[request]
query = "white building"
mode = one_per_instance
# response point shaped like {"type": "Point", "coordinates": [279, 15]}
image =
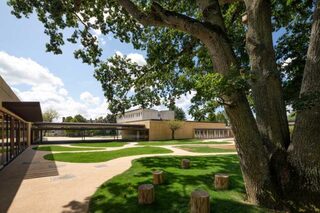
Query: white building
{"type": "Point", "coordinates": [145, 114]}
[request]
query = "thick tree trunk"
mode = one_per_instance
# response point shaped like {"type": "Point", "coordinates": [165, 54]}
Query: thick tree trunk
{"type": "Point", "coordinates": [304, 152]}
{"type": "Point", "coordinates": [266, 86]}
{"type": "Point", "coordinates": [253, 157]}
{"type": "Point", "coordinates": [172, 134]}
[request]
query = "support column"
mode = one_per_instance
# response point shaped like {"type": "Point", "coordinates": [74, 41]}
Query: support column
{"type": "Point", "coordinates": [12, 137]}
{"type": "Point", "coordinates": [30, 137]}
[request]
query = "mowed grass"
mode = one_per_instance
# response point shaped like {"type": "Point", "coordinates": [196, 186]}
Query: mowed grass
{"type": "Point", "coordinates": [94, 157]}
{"type": "Point", "coordinates": [205, 149]}
{"type": "Point", "coordinates": [119, 194]}
{"type": "Point", "coordinates": [102, 144]}
{"type": "Point", "coordinates": [62, 148]}
{"type": "Point", "coordinates": [179, 142]}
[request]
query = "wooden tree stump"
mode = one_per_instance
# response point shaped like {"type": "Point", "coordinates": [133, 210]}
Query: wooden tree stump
{"type": "Point", "coordinates": [221, 181]}
{"type": "Point", "coordinates": [185, 164]}
{"type": "Point", "coordinates": [146, 194]}
{"type": "Point", "coordinates": [200, 202]}
{"type": "Point", "coordinates": [158, 177]}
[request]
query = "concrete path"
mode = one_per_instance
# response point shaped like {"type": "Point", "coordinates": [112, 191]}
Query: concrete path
{"type": "Point", "coordinates": [33, 184]}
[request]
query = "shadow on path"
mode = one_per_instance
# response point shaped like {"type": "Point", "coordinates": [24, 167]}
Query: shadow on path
{"type": "Point", "coordinates": [77, 206]}
{"type": "Point", "coordinates": [30, 164]}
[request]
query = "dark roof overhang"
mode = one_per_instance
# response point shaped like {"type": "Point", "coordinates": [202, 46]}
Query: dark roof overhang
{"type": "Point", "coordinates": [29, 111]}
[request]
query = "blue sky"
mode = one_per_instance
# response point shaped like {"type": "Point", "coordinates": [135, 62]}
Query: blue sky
{"type": "Point", "coordinates": [59, 82]}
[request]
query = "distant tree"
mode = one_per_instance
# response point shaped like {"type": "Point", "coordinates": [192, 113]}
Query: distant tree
{"type": "Point", "coordinates": [76, 119]}
{"type": "Point", "coordinates": [179, 114]}
{"type": "Point", "coordinates": [49, 115]}
{"type": "Point", "coordinates": [68, 119]}
{"type": "Point", "coordinates": [174, 125]}
{"type": "Point", "coordinates": [79, 118]}
{"type": "Point", "coordinates": [111, 118]}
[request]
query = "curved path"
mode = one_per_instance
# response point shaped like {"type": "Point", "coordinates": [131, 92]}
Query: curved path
{"type": "Point", "coordinates": [33, 184]}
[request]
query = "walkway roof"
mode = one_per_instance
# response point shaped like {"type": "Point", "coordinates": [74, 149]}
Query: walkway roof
{"type": "Point", "coordinates": [85, 126]}
{"type": "Point", "coordinates": [29, 111]}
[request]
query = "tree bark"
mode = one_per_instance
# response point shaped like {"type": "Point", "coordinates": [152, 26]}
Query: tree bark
{"type": "Point", "coordinates": [158, 177]}
{"type": "Point", "coordinates": [253, 157]}
{"type": "Point", "coordinates": [185, 164]}
{"type": "Point", "coordinates": [266, 86]}
{"type": "Point", "coordinates": [221, 181]}
{"type": "Point", "coordinates": [146, 194]}
{"type": "Point", "coordinates": [172, 134]}
{"type": "Point", "coordinates": [200, 202]}
{"type": "Point", "coordinates": [304, 152]}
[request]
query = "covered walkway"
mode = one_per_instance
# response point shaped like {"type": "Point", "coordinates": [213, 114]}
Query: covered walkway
{"type": "Point", "coordinates": [139, 132]}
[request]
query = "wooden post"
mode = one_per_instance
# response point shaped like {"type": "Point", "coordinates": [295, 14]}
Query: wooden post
{"type": "Point", "coordinates": [146, 194]}
{"type": "Point", "coordinates": [185, 164]}
{"type": "Point", "coordinates": [221, 181]}
{"type": "Point", "coordinates": [200, 202]}
{"type": "Point", "coordinates": [158, 177]}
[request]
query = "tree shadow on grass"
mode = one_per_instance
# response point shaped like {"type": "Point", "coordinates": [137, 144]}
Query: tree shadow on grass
{"type": "Point", "coordinates": [120, 193]}
{"type": "Point", "coordinates": [167, 200]}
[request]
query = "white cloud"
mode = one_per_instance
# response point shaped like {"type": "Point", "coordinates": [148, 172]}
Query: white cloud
{"type": "Point", "coordinates": [25, 71]}
{"type": "Point", "coordinates": [138, 58]}
{"type": "Point", "coordinates": [47, 88]}
{"type": "Point", "coordinates": [135, 57]}
{"type": "Point", "coordinates": [89, 99]}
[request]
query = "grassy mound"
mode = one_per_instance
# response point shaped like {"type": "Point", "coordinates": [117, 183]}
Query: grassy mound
{"type": "Point", "coordinates": [94, 157]}
{"type": "Point", "coordinates": [205, 149]}
{"type": "Point", "coordinates": [179, 142]}
{"type": "Point", "coordinates": [61, 148]}
{"type": "Point", "coordinates": [120, 193]}
{"type": "Point", "coordinates": [102, 144]}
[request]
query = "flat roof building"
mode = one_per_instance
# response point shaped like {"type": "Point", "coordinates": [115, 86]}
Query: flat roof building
{"type": "Point", "coordinates": [157, 123]}
{"type": "Point", "coordinates": [145, 114]}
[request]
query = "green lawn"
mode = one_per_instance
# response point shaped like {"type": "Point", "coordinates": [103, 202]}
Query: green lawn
{"type": "Point", "coordinates": [120, 193]}
{"type": "Point", "coordinates": [62, 148]}
{"type": "Point", "coordinates": [105, 144]}
{"type": "Point", "coordinates": [93, 157]}
{"type": "Point", "coordinates": [178, 142]}
{"type": "Point", "coordinates": [205, 149]}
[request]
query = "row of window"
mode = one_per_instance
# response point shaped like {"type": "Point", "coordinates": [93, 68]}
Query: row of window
{"type": "Point", "coordinates": [212, 133]}
{"type": "Point", "coordinates": [131, 115]}
{"type": "Point", "coordinates": [13, 137]}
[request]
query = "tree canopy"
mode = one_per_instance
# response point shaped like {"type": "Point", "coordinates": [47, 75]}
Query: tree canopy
{"type": "Point", "coordinates": [177, 63]}
{"type": "Point", "coordinates": [179, 114]}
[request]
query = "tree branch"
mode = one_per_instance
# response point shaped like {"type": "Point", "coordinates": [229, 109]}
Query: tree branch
{"type": "Point", "coordinates": [158, 16]}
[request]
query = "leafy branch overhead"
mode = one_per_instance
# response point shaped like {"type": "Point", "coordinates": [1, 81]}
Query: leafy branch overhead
{"type": "Point", "coordinates": [176, 55]}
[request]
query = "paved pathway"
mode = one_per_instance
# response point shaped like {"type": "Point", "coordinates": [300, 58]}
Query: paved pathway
{"type": "Point", "coordinates": [33, 184]}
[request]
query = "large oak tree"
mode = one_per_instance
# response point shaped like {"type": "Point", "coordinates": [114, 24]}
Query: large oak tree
{"type": "Point", "coordinates": [202, 47]}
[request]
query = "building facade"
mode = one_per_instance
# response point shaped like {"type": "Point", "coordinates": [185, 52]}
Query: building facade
{"type": "Point", "coordinates": [15, 134]}
{"type": "Point", "coordinates": [159, 130]}
{"type": "Point", "coordinates": [145, 114]}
